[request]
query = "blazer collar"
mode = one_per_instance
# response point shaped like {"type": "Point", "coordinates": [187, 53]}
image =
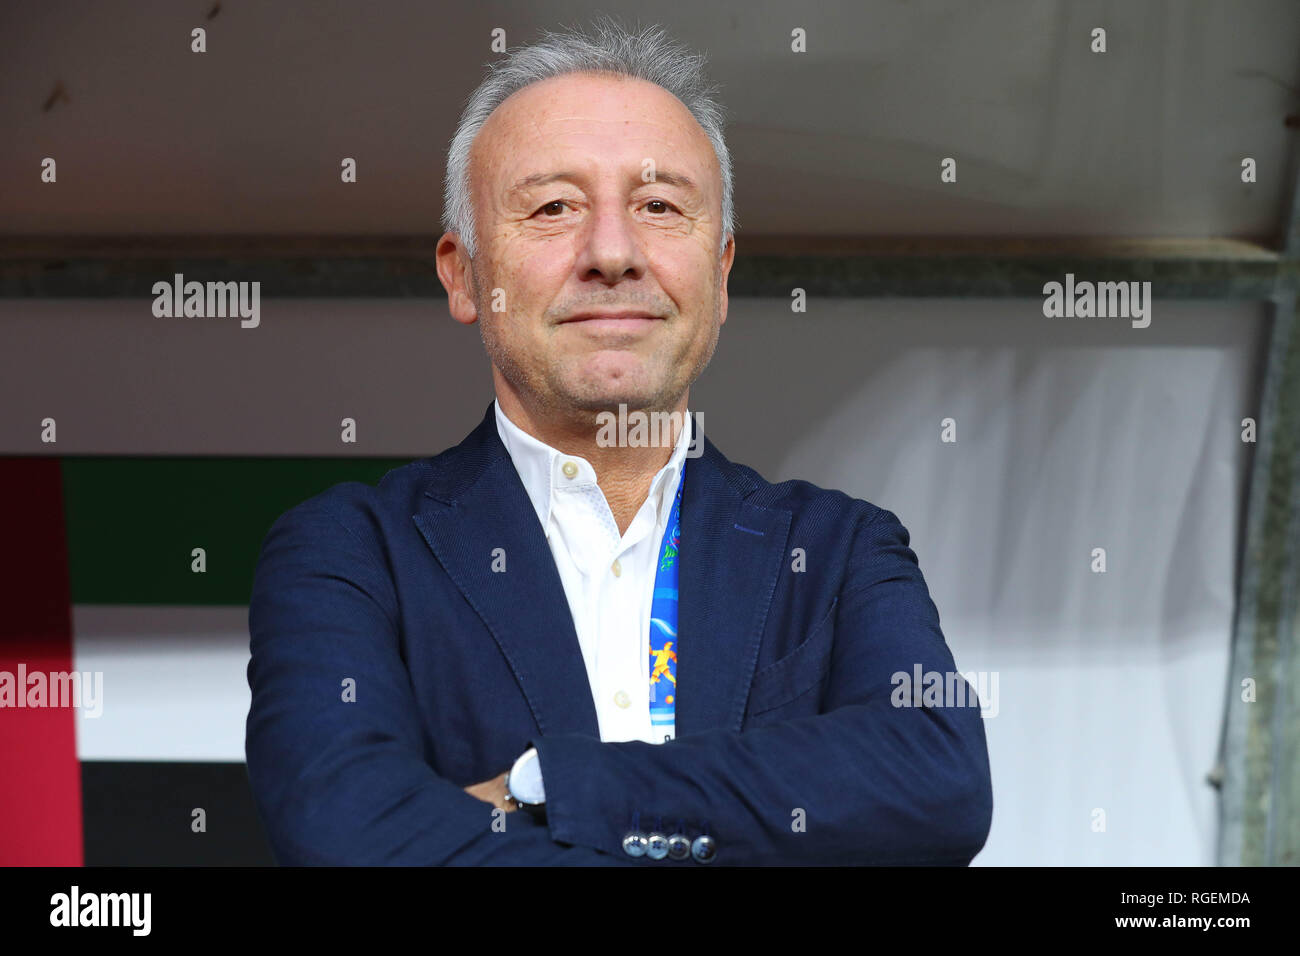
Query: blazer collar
{"type": "Point", "coordinates": [480, 524]}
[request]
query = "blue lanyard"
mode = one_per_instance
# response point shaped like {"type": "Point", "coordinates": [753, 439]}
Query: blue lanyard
{"type": "Point", "coordinates": [663, 625]}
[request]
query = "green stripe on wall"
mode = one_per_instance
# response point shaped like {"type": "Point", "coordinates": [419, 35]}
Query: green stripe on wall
{"type": "Point", "coordinates": [133, 522]}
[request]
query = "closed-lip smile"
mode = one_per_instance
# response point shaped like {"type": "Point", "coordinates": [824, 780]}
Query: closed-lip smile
{"type": "Point", "coordinates": [610, 316]}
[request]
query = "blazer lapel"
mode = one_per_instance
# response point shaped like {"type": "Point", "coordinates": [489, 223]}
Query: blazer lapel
{"type": "Point", "coordinates": [731, 555]}
{"type": "Point", "coordinates": [475, 505]}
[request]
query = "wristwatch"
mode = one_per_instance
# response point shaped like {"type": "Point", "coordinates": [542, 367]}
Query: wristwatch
{"type": "Point", "coordinates": [524, 785]}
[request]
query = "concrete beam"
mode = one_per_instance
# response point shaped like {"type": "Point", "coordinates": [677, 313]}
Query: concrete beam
{"type": "Point", "coordinates": [402, 266]}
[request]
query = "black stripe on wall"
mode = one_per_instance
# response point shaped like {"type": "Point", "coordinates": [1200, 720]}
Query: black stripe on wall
{"type": "Point", "coordinates": [140, 813]}
{"type": "Point", "coordinates": [134, 521]}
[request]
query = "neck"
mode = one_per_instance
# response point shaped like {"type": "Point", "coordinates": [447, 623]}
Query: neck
{"type": "Point", "coordinates": [624, 474]}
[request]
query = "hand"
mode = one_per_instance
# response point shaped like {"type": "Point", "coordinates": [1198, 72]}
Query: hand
{"type": "Point", "coordinates": [494, 792]}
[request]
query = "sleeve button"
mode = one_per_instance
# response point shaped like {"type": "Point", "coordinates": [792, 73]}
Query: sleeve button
{"type": "Point", "coordinates": [635, 843]}
{"type": "Point", "coordinates": [704, 849]}
{"type": "Point", "coordinates": [656, 846]}
{"type": "Point", "coordinates": [679, 846]}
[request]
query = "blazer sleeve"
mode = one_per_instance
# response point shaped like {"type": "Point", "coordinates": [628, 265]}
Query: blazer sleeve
{"type": "Point", "coordinates": [342, 782]}
{"type": "Point", "coordinates": [878, 784]}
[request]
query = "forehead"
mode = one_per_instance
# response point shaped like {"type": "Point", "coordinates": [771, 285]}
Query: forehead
{"type": "Point", "coordinates": [594, 117]}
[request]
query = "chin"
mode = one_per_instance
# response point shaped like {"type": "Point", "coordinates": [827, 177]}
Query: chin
{"type": "Point", "coordinates": [610, 401]}
{"type": "Point", "coordinates": [601, 392]}
{"type": "Point", "coordinates": [601, 396]}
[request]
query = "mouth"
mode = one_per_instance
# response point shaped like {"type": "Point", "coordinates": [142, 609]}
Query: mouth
{"type": "Point", "coordinates": [612, 321]}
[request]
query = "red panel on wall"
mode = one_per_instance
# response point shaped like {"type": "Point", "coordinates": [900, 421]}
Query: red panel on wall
{"type": "Point", "coordinates": [40, 790]}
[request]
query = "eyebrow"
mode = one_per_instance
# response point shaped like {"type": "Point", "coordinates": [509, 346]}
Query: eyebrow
{"type": "Point", "coordinates": [667, 176]}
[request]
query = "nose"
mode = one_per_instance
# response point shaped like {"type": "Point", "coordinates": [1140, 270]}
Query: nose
{"type": "Point", "coordinates": [611, 249]}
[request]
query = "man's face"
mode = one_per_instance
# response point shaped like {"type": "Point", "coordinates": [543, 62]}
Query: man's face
{"type": "Point", "coordinates": [568, 224]}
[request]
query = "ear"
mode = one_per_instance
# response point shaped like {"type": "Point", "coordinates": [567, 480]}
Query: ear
{"type": "Point", "coordinates": [728, 257]}
{"type": "Point", "coordinates": [456, 273]}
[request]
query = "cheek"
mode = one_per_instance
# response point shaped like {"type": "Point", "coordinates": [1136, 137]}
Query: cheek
{"type": "Point", "coordinates": [536, 271]}
{"type": "Point", "coordinates": [688, 276]}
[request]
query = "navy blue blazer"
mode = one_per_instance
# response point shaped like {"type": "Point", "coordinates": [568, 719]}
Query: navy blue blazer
{"type": "Point", "coordinates": [788, 750]}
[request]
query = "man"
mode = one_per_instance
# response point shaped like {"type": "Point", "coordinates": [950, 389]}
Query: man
{"type": "Point", "coordinates": [661, 657]}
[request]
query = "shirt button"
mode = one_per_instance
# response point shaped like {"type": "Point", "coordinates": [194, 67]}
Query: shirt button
{"type": "Point", "coordinates": [616, 568]}
{"type": "Point", "coordinates": [622, 699]}
{"type": "Point", "coordinates": [570, 470]}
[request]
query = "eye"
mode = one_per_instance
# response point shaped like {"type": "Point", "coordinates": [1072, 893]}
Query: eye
{"type": "Point", "coordinates": [552, 205]}
{"type": "Point", "coordinates": [660, 202]}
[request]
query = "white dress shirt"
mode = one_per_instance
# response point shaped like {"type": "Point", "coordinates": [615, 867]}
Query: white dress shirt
{"type": "Point", "coordinates": [608, 578]}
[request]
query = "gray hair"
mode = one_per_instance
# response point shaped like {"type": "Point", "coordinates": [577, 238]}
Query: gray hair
{"type": "Point", "coordinates": [647, 55]}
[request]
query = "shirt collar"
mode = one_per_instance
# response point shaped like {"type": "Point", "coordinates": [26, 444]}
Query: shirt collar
{"type": "Point", "coordinates": [537, 464]}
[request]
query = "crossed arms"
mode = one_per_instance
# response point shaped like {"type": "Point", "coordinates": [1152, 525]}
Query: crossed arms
{"type": "Point", "coordinates": [876, 783]}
